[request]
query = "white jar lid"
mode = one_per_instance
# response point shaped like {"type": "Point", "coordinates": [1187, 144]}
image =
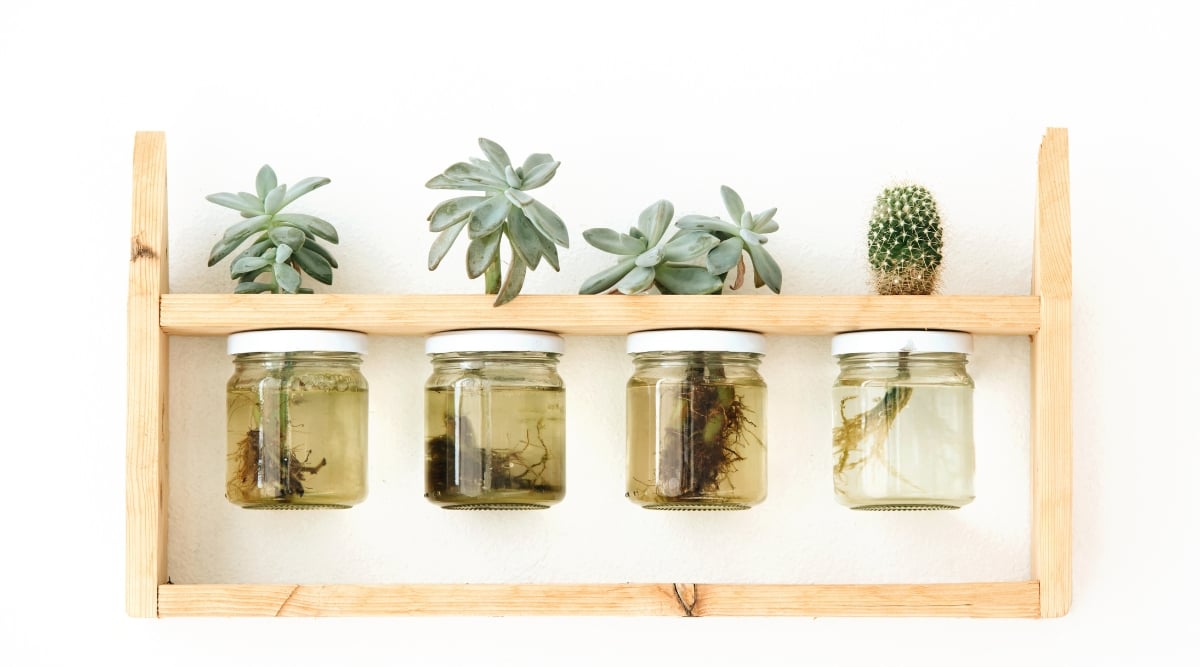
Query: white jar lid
{"type": "Point", "coordinates": [913, 341]}
{"type": "Point", "coordinates": [696, 340]}
{"type": "Point", "coordinates": [297, 340]}
{"type": "Point", "coordinates": [494, 340]}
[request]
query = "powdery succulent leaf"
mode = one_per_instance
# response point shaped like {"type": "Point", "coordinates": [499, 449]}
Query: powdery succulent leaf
{"type": "Point", "coordinates": [676, 279]}
{"type": "Point", "coordinates": [606, 279]}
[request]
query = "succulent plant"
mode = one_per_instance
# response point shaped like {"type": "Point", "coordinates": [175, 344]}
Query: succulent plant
{"type": "Point", "coordinates": [504, 211]}
{"type": "Point", "coordinates": [904, 243]}
{"type": "Point", "coordinates": [644, 263]}
{"type": "Point", "coordinates": [287, 242]}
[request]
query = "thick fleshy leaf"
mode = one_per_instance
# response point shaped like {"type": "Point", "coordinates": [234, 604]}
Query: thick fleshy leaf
{"type": "Point", "coordinates": [274, 199]}
{"type": "Point", "coordinates": [487, 166]}
{"type": "Point", "coordinates": [525, 239]}
{"type": "Point", "coordinates": [495, 153]}
{"type": "Point", "coordinates": [314, 265]}
{"type": "Point", "coordinates": [287, 278]}
{"type": "Point", "coordinates": [765, 268]}
{"type": "Point", "coordinates": [284, 235]}
{"type": "Point", "coordinates": [638, 280]}
{"type": "Point", "coordinates": [762, 219]}
{"type": "Point", "coordinates": [604, 281]}
{"type": "Point", "coordinates": [518, 198]}
{"type": "Point", "coordinates": [673, 279]}
{"type": "Point", "coordinates": [610, 240]}
{"type": "Point", "coordinates": [441, 245]}
{"type": "Point", "coordinates": [467, 173]}
{"type": "Point", "coordinates": [225, 246]}
{"type": "Point", "coordinates": [751, 238]}
{"type": "Point", "coordinates": [637, 234]}
{"type": "Point", "coordinates": [482, 252]}
{"type": "Point", "coordinates": [514, 280]}
{"type": "Point", "coordinates": [233, 201]}
{"type": "Point", "coordinates": [688, 246]}
{"type": "Point", "coordinates": [310, 224]}
{"type": "Point", "coordinates": [539, 175]}
{"type": "Point", "coordinates": [733, 203]}
{"type": "Point", "coordinates": [768, 227]}
{"type": "Point", "coordinates": [649, 259]}
{"type": "Point", "coordinates": [255, 224]}
{"type": "Point", "coordinates": [724, 257]}
{"type": "Point", "coordinates": [251, 202]}
{"type": "Point", "coordinates": [533, 161]}
{"type": "Point", "coordinates": [708, 224]}
{"type": "Point", "coordinates": [320, 250]}
{"type": "Point", "coordinates": [251, 288]}
{"type": "Point", "coordinates": [444, 182]}
{"type": "Point", "coordinates": [265, 181]}
{"type": "Point", "coordinates": [548, 223]}
{"type": "Point", "coordinates": [452, 212]}
{"type": "Point", "coordinates": [549, 251]}
{"type": "Point", "coordinates": [256, 249]}
{"type": "Point", "coordinates": [283, 252]}
{"type": "Point", "coordinates": [511, 177]}
{"type": "Point", "coordinates": [247, 264]}
{"type": "Point", "coordinates": [747, 221]}
{"type": "Point", "coordinates": [488, 216]}
{"type": "Point", "coordinates": [654, 220]}
{"type": "Point", "coordinates": [305, 186]}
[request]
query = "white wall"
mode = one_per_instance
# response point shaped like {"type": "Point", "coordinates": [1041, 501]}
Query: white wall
{"type": "Point", "coordinates": [810, 109]}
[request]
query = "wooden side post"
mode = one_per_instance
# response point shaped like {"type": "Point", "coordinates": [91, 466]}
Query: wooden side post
{"type": "Point", "coordinates": [1050, 361]}
{"type": "Point", "coordinates": [146, 426]}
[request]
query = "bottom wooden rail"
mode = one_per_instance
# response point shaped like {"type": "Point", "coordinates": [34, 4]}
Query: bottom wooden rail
{"type": "Point", "coordinates": [1018, 599]}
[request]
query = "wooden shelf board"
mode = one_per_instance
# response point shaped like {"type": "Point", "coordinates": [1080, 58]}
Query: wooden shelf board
{"type": "Point", "coordinates": [221, 314]}
{"type": "Point", "coordinates": [1019, 599]}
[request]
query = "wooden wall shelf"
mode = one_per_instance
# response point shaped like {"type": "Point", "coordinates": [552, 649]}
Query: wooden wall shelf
{"type": "Point", "coordinates": [155, 315]}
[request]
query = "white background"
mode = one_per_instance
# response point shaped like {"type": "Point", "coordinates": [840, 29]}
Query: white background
{"type": "Point", "coordinates": [810, 109]}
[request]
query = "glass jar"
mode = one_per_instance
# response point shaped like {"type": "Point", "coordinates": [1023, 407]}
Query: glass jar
{"type": "Point", "coordinates": [297, 420]}
{"type": "Point", "coordinates": [903, 434]}
{"type": "Point", "coordinates": [696, 420]}
{"type": "Point", "coordinates": [495, 427]}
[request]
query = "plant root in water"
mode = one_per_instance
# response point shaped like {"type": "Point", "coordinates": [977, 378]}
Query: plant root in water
{"type": "Point", "coordinates": [265, 472]}
{"type": "Point", "coordinates": [862, 438]}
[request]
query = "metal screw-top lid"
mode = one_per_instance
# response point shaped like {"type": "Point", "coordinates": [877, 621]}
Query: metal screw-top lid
{"type": "Point", "coordinates": [297, 340]}
{"type": "Point", "coordinates": [696, 340]}
{"type": "Point", "coordinates": [913, 341]}
{"type": "Point", "coordinates": [494, 340]}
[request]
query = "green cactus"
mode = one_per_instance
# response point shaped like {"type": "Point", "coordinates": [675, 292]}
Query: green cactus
{"type": "Point", "coordinates": [904, 243]}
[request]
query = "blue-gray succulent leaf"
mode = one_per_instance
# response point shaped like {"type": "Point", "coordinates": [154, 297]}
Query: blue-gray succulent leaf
{"type": "Point", "coordinates": [495, 154]}
{"type": "Point", "coordinates": [766, 270]}
{"type": "Point", "coordinates": [708, 224]}
{"type": "Point", "coordinates": [688, 246]}
{"type": "Point", "coordinates": [547, 222]}
{"type": "Point", "coordinates": [733, 203]}
{"type": "Point", "coordinates": [452, 212]}
{"type": "Point", "coordinates": [265, 181]}
{"type": "Point", "coordinates": [525, 239]}
{"type": "Point", "coordinates": [752, 238]}
{"type": "Point", "coordinates": [723, 258]}
{"type": "Point", "coordinates": [251, 288]}
{"type": "Point", "coordinates": [538, 175]}
{"type": "Point", "coordinates": [310, 224]}
{"type": "Point", "coordinates": [284, 235]}
{"type": "Point", "coordinates": [651, 258]}
{"type": "Point", "coordinates": [654, 220]}
{"type": "Point", "coordinates": [606, 279]}
{"type": "Point", "coordinates": [518, 197]}
{"type": "Point", "coordinates": [683, 279]}
{"type": "Point", "coordinates": [314, 265]}
{"type": "Point", "coordinates": [283, 252]}
{"type": "Point", "coordinates": [638, 280]}
{"type": "Point", "coordinates": [610, 240]}
{"type": "Point", "coordinates": [514, 280]}
{"type": "Point", "coordinates": [441, 245]}
{"type": "Point", "coordinates": [248, 264]}
{"type": "Point", "coordinates": [274, 199]}
{"type": "Point", "coordinates": [301, 188]}
{"type": "Point", "coordinates": [482, 252]}
{"type": "Point", "coordinates": [764, 219]}
{"type": "Point", "coordinates": [286, 277]}
{"type": "Point", "coordinates": [237, 203]}
{"type": "Point", "coordinates": [320, 250]}
{"type": "Point", "coordinates": [488, 216]}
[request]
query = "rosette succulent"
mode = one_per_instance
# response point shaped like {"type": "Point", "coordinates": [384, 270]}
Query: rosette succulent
{"type": "Point", "coordinates": [644, 264]}
{"type": "Point", "coordinates": [286, 244]}
{"type": "Point", "coordinates": [904, 243]}
{"type": "Point", "coordinates": [505, 210]}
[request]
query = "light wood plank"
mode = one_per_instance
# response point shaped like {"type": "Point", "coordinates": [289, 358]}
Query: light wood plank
{"type": "Point", "coordinates": [1005, 599]}
{"type": "Point", "coordinates": [1050, 363]}
{"type": "Point", "coordinates": [146, 426]}
{"type": "Point", "coordinates": [219, 314]}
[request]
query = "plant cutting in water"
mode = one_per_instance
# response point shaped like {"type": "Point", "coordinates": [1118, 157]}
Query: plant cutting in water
{"type": "Point", "coordinates": [505, 210]}
{"type": "Point", "coordinates": [286, 245]}
{"type": "Point", "coordinates": [519, 467]}
{"type": "Point", "coordinates": [904, 248]}
{"type": "Point", "coordinates": [697, 459]}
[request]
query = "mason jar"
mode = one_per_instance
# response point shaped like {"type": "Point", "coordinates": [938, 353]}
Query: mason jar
{"type": "Point", "coordinates": [297, 419]}
{"type": "Point", "coordinates": [903, 434]}
{"type": "Point", "coordinates": [495, 428]}
{"type": "Point", "coordinates": [696, 420]}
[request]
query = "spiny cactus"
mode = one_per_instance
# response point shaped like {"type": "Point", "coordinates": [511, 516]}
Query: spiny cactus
{"type": "Point", "coordinates": [904, 244]}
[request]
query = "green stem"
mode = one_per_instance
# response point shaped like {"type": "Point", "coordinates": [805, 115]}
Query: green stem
{"type": "Point", "coordinates": [491, 277]}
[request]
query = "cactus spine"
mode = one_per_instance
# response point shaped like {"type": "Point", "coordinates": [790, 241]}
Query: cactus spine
{"type": "Point", "coordinates": [904, 244]}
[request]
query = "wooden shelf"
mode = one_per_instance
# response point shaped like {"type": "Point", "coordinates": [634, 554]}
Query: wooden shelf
{"type": "Point", "coordinates": [154, 316]}
{"type": "Point", "coordinates": [214, 315]}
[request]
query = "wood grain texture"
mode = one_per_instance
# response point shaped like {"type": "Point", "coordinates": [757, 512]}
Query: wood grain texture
{"type": "Point", "coordinates": [146, 426]}
{"type": "Point", "coordinates": [1004, 599]}
{"type": "Point", "coordinates": [1050, 363]}
{"type": "Point", "coordinates": [214, 315]}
